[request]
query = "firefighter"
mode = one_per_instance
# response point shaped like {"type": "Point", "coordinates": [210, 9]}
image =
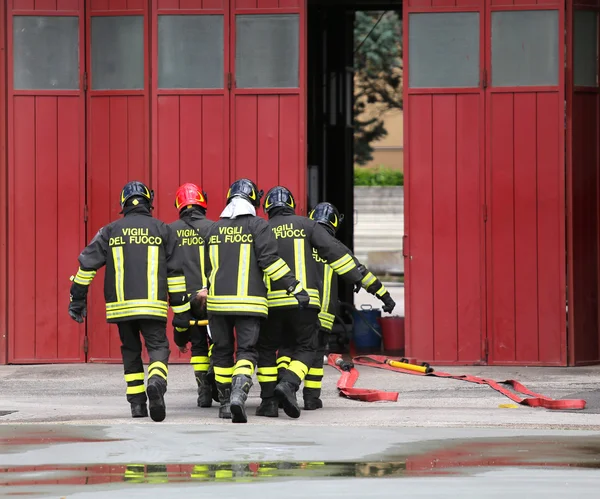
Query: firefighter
{"type": "Point", "coordinates": [329, 217]}
{"type": "Point", "coordinates": [141, 269]}
{"type": "Point", "coordinates": [191, 230]}
{"type": "Point", "coordinates": [242, 251]}
{"type": "Point", "coordinates": [295, 330]}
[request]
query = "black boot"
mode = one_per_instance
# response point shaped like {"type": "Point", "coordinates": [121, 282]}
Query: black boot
{"type": "Point", "coordinates": [312, 403]}
{"type": "Point", "coordinates": [139, 411]}
{"type": "Point", "coordinates": [240, 386]}
{"type": "Point", "coordinates": [204, 390]}
{"type": "Point", "coordinates": [286, 394]}
{"type": "Point", "coordinates": [224, 400]}
{"type": "Point", "coordinates": [211, 381]}
{"type": "Point", "coordinates": [268, 408]}
{"type": "Point", "coordinates": [156, 390]}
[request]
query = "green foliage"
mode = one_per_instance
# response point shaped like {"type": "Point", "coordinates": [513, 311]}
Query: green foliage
{"type": "Point", "coordinates": [379, 176]}
{"type": "Point", "coordinates": [378, 76]}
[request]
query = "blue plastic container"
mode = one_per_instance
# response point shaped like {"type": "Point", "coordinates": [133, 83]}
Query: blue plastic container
{"type": "Point", "coordinates": [367, 331]}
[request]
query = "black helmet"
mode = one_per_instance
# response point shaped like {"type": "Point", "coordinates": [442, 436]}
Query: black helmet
{"type": "Point", "coordinates": [246, 189]}
{"type": "Point", "coordinates": [327, 214]}
{"type": "Point", "coordinates": [136, 189]}
{"type": "Point", "coordinates": [279, 196]}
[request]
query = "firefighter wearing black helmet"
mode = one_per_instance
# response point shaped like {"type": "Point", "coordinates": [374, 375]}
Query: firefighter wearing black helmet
{"type": "Point", "coordinates": [295, 330]}
{"type": "Point", "coordinates": [141, 270]}
{"type": "Point", "coordinates": [330, 218]}
{"type": "Point", "coordinates": [242, 252]}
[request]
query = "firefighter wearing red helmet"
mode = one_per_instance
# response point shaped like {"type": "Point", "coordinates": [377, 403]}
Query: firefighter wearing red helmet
{"type": "Point", "coordinates": [141, 270]}
{"type": "Point", "coordinates": [191, 230]}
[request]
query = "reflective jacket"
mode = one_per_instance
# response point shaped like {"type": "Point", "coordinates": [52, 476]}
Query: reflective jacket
{"type": "Point", "coordinates": [141, 267]}
{"type": "Point", "coordinates": [241, 252]}
{"type": "Point", "coordinates": [191, 230]}
{"type": "Point", "coordinates": [297, 236]}
{"type": "Point", "coordinates": [329, 287]}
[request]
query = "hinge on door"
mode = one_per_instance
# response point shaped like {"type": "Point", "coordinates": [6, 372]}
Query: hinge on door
{"type": "Point", "coordinates": [85, 213]}
{"type": "Point", "coordinates": [228, 81]}
{"type": "Point", "coordinates": [484, 78]}
{"type": "Point", "coordinates": [85, 344]}
{"type": "Point", "coordinates": [485, 213]}
{"type": "Point", "coordinates": [85, 85]}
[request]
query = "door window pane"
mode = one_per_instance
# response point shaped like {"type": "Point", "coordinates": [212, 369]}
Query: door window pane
{"type": "Point", "coordinates": [524, 48]}
{"type": "Point", "coordinates": [190, 51]}
{"type": "Point", "coordinates": [585, 50]}
{"type": "Point", "coordinates": [267, 51]}
{"type": "Point", "coordinates": [46, 53]}
{"type": "Point", "coordinates": [117, 53]}
{"type": "Point", "coordinates": [444, 50]}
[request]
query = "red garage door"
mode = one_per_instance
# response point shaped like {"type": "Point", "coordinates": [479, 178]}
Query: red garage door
{"type": "Point", "coordinates": [485, 184]}
{"type": "Point", "coordinates": [117, 132]}
{"type": "Point", "coordinates": [268, 103]}
{"type": "Point", "coordinates": [46, 182]}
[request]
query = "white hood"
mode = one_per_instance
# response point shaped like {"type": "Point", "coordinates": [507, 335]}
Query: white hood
{"type": "Point", "coordinates": [238, 206]}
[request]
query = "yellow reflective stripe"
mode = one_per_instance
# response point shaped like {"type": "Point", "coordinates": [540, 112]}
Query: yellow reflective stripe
{"type": "Point", "coordinates": [267, 370]}
{"type": "Point", "coordinates": [214, 262]}
{"type": "Point", "coordinates": [312, 384]}
{"type": "Point", "coordinates": [204, 280]}
{"type": "Point", "coordinates": [316, 371]}
{"type": "Point", "coordinates": [340, 262]}
{"type": "Point", "coordinates": [178, 309]}
{"type": "Point", "coordinates": [237, 307]}
{"type": "Point", "coordinates": [326, 319]}
{"type": "Point", "coordinates": [285, 359]}
{"type": "Point", "coordinates": [179, 279]}
{"type": "Point", "coordinates": [266, 379]}
{"type": "Point", "coordinates": [257, 300]}
{"type": "Point", "coordinates": [176, 284]}
{"type": "Point", "coordinates": [158, 364]}
{"type": "Point", "coordinates": [132, 390]}
{"type": "Point", "coordinates": [224, 371]}
{"type": "Point", "coordinates": [117, 252]}
{"type": "Point", "coordinates": [346, 268]}
{"type": "Point", "coordinates": [223, 474]}
{"type": "Point", "coordinates": [300, 261]}
{"type": "Point", "coordinates": [298, 368]}
{"type": "Point", "coordinates": [280, 273]}
{"type": "Point", "coordinates": [381, 291]}
{"type": "Point", "coordinates": [153, 273]}
{"type": "Point", "coordinates": [281, 293]}
{"type": "Point", "coordinates": [118, 305]}
{"type": "Point", "coordinates": [201, 367]}
{"type": "Point", "coordinates": [84, 277]}
{"type": "Point", "coordinates": [134, 377]}
{"type": "Point", "coordinates": [368, 280]}
{"type": "Point", "coordinates": [223, 379]}
{"type": "Point", "coordinates": [274, 267]}
{"type": "Point", "coordinates": [156, 372]}
{"type": "Point", "coordinates": [243, 270]}
{"type": "Point", "coordinates": [243, 366]}
{"type": "Point", "coordinates": [132, 312]}
{"type": "Point", "coordinates": [199, 360]}
{"type": "Point", "coordinates": [327, 279]}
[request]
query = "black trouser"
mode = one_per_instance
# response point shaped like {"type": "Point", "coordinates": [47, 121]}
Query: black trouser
{"type": "Point", "coordinates": [314, 377]}
{"type": "Point", "coordinates": [292, 330]}
{"type": "Point", "coordinates": [199, 340]}
{"type": "Point", "coordinates": [157, 345]}
{"type": "Point", "coordinates": [247, 329]}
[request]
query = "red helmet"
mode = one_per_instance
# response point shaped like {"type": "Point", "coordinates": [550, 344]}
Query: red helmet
{"type": "Point", "coordinates": [190, 194]}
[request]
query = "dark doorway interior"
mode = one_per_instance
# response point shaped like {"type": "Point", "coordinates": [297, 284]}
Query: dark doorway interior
{"type": "Point", "coordinates": [330, 103]}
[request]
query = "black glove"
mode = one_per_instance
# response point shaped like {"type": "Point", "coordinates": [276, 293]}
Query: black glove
{"type": "Point", "coordinates": [77, 301]}
{"type": "Point", "coordinates": [77, 309]}
{"type": "Point", "coordinates": [300, 294]}
{"type": "Point", "coordinates": [181, 336]}
{"type": "Point", "coordinates": [182, 320]}
{"type": "Point", "coordinates": [388, 303]}
{"type": "Point", "coordinates": [357, 286]}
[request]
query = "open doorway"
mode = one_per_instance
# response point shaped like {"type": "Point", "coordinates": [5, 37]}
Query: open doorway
{"type": "Point", "coordinates": [355, 121]}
